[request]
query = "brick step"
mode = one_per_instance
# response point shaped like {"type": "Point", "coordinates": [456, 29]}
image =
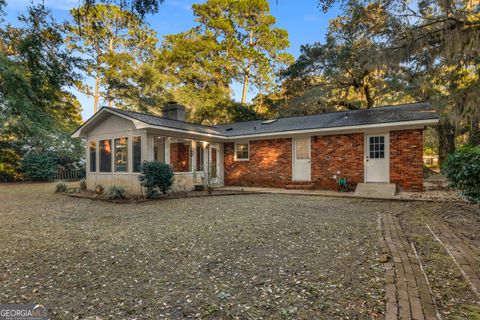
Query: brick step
{"type": "Point", "coordinates": [301, 182]}
{"type": "Point", "coordinates": [300, 185]}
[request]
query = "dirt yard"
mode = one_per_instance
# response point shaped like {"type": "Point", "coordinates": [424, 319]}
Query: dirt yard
{"type": "Point", "coordinates": [230, 257]}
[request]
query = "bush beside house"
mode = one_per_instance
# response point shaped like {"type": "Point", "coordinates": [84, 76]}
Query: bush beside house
{"type": "Point", "coordinates": [155, 177]}
{"type": "Point", "coordinates": [462, 169]}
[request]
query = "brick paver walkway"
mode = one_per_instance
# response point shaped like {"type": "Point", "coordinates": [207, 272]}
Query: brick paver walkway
{"type": "Point", "coordinates": [466, 257]}
{"type": "Point", "coordinates": [407, 292]}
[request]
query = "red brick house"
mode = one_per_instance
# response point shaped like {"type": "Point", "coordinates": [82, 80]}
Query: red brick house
{"type": "Point", "coordinates": [383, 145]}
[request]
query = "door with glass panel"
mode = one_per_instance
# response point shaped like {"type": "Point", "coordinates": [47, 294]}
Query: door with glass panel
{"type": "Point", "coordinates": [377, 158]}
{"type": "Point", "coordinates": [301, 159]}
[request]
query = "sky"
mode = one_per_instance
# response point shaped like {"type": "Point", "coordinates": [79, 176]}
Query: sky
{"type": "Point", "coordinates": [303, 20]}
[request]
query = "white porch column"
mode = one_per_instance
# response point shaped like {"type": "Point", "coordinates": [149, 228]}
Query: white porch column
{"type": "Point", "coordinates": [167, 150]}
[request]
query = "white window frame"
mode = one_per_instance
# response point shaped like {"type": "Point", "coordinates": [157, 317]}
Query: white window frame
{"type": "Point", "coordinates": [90, 156]}
{"type": "Point", "coordinates": [114, 167]}
{"type": "Point", "coordinates": [248, 148]}
{"type": "Point", "coordinates": [112, 156]}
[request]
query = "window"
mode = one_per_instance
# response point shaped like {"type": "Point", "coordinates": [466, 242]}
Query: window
{"type": "Point", "coordinates": [159, 149]}
{"type": "Point", "coordinates": [199, 150]}
{"type": "Point", "coordinates": [241, 151]}
{"type": "Point", "coordinates": [302, 149]}
{"type": "Point", "coordinates": [121, 155]}
{"type": "Point", "coordinates": [180, 155]}
{"type": "Point", "coordinates": [93, 156]}
{"type": "Point", "coordinates": [376, 147]}
{"type": "Point", "coordinates": [136, 154]}
{"type": "Point", "coordinates": [105, 155]}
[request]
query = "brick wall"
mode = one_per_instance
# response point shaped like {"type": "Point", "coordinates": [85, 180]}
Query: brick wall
{"type": "Point", "coordinates": [270, 164]}
{"type": "Point", "coordinates": [334, 153]}
{"type": "Point", "coordinates": [406, 159]}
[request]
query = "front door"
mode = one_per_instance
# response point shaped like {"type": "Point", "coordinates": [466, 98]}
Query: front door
{"type": "Point", "coordinates": [377, 158]}
{"type": "Point", "coordinates": [301, 159]}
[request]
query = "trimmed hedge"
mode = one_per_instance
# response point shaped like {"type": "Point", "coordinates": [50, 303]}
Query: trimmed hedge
{"type": "Point", "coordinates": [462, 169]}
{"type": "Point", "coordinates": [156, 177]}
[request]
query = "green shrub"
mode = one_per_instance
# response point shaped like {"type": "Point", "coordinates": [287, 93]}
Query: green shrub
{"type": "Point", "coordinates": [39, 166]}
{"type": "Point", "coordinates": [156, 177]}
{"type": "Point", "coordinates": [83, 184]}
{"type": "Point", "coordinates": [61, 186]}
{"type": "Point", "coordinates": [9, 165]}
{"type": "Point", "coordinates": [115, 192]}
{"type": "Point", "coordinates": [462, 169]}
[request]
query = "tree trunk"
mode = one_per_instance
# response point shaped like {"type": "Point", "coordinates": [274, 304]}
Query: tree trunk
{"type": "Point", "coordinates": [110, 101]}
{"type": "Point", "coordinates": [95, 96]}
{"type": "Point", "coordinates": [446, 139]}
{"type": "Point", "coordinates": [247, 73]}
{"type": "Point", "coordinates": [245, 87]}
{"type": "Point", "coordinates": [474, 133]}
{"type": "Point", "coordinates": [368, 96]}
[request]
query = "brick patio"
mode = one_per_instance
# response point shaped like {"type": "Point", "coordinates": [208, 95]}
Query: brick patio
{"type": "Point", "coordinates": [407, 292]}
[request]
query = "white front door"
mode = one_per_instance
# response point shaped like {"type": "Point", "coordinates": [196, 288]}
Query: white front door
{"type": "Point", "coordinates": [377, 158]}
{"type": "Point", "coordinates": [301, 159]}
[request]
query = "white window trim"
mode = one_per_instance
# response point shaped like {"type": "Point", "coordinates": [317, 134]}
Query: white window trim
{"type": "Point", "coordinates": [115, 153]}
{"type": "Point", "coordinates": [112, 156]}
{"type": "Point", "coordinates": [235, 151]}
{"type": "Point", "coordinates": [90, 156]}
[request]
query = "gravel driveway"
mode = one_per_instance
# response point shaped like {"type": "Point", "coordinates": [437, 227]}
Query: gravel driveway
{"type": "Point", "coordinates": [246, 257]}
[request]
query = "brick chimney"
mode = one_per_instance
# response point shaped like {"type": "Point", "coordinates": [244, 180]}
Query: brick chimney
{"type": "Point", "coordinates": [173, 110]}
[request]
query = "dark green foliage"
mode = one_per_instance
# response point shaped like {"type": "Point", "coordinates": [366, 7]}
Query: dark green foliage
{"type": "Point", "coordinates": [156, 177]}
{"type": "Point", "coordinates": [37, 109]}
{"type": "Point", "coordinates": [462, 169]}
{"type": "Point", "coordinates": [115, 193]}
{"type": "Point", "coordinates": [39, 167]}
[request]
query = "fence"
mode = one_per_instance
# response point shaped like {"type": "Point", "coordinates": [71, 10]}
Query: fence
{"type": "Point", "coordinates": [67, 175]}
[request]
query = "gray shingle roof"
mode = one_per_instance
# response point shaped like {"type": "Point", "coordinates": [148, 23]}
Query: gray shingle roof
{"type": "Point", "coordinates": [168, 123]}
{"type": "Point", "coordinates": [385, 114]}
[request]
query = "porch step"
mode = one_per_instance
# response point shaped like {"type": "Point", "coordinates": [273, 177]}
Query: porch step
{"type": "Point", "coordinates": [300, 185]}
{"type": "Point", "coordinates": [376, 190]}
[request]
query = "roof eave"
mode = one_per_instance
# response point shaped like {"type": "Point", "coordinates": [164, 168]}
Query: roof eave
{"type": "Point", "coordinates": [333, 130]}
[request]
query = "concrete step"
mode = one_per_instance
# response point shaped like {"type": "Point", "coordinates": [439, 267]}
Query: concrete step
{"type": "Point", "coordinates": [300, 185]}
{"type": "Point", "coordinates": [376, 190]}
